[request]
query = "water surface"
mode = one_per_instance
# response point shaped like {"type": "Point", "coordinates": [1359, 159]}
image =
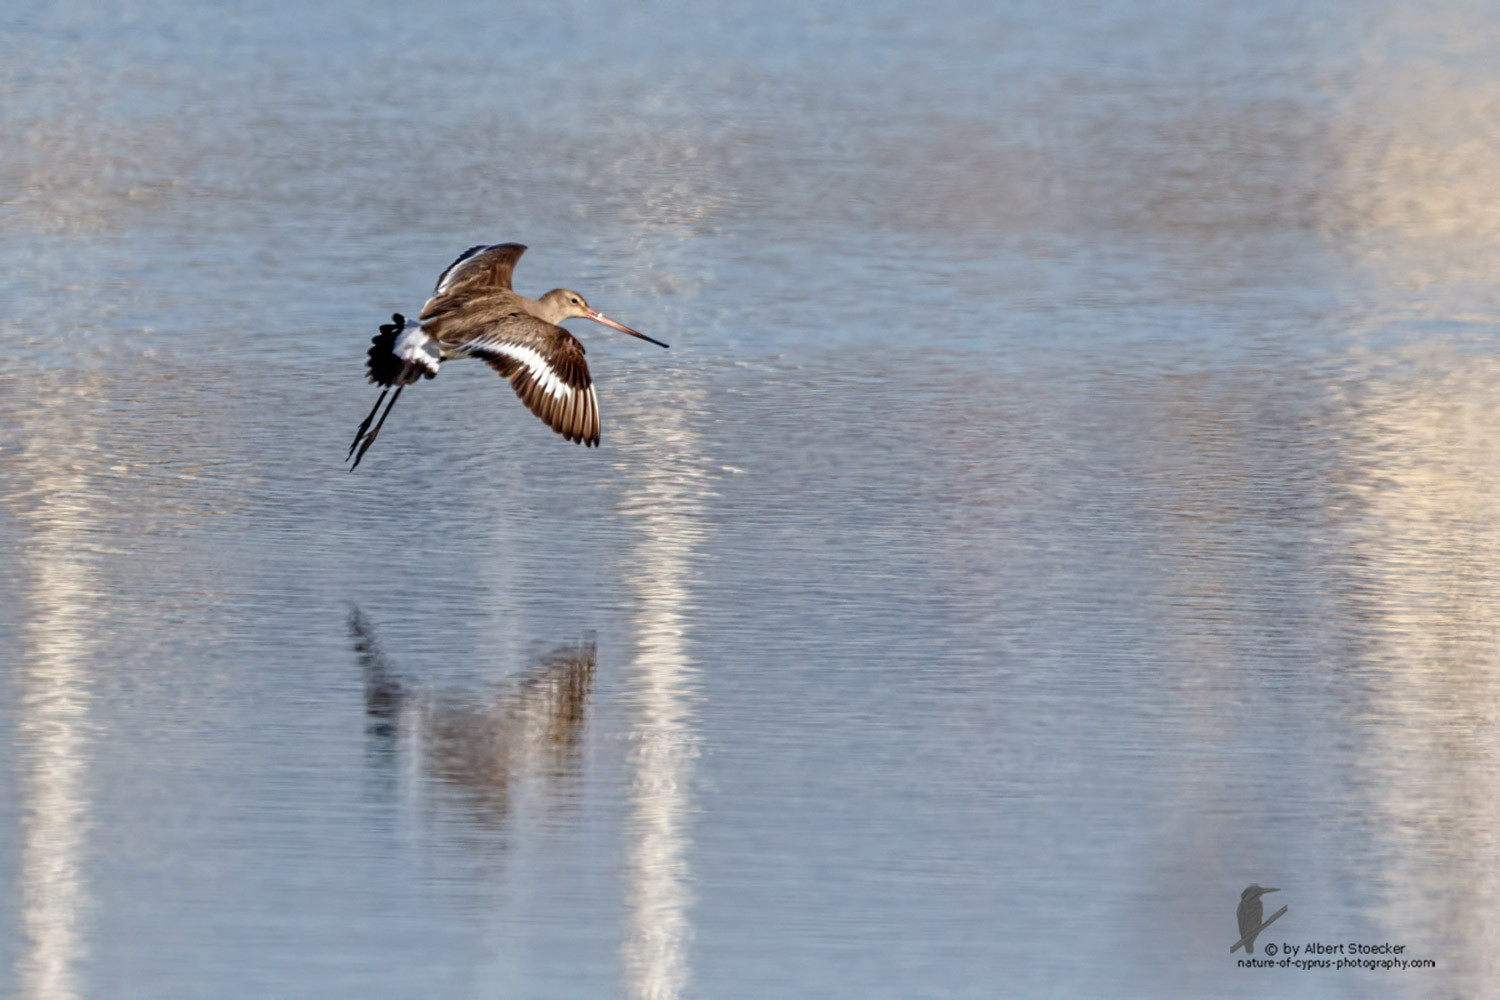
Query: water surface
{"type": "Point", "coordinates": [1069, 498]}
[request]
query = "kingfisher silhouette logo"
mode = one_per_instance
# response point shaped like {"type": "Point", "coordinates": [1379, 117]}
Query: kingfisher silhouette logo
{"type": "Point", "coordinates": [1249, 914]}
{"type": "Point", "coordinates": [1307, 955]}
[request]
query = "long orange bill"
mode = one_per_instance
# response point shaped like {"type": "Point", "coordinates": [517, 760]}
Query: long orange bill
{"type": "Point", "coordinates": [599, 317]}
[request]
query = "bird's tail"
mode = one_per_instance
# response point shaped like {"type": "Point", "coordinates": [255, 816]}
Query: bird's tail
{"type": "Point", "coordinates": [399, 355]}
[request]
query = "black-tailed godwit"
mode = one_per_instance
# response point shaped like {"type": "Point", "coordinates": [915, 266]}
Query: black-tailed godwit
{"type": "Point", "coordinates": [474, 313]}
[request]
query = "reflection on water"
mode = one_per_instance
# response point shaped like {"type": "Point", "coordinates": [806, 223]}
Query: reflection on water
{"type": "Point", "coordinates": [53, 735]}
{"type": "Point", "coordinates": [482, 743]}
{"type": "Point", "coordinates": [1411, 201]}
{"type": "Point", "coordinates": [664, 504]}
{"type": "Point", "coordinates": [1424, 558]}
{"type": "Point", "coordinates": [384, 692]}
{"type": "Point", "coordinates": [53, 683]}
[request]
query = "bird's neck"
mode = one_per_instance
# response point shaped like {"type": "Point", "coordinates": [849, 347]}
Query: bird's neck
{"type": "Point", "coordinates": [545, 309]}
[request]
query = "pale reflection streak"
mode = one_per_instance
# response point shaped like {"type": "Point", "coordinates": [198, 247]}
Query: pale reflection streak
{"type": "Point", "coordinates": [664, 504]}
{"type": "Point", "coordinates": [1424, 536]}
{"type": "Point", "coordinates": [53, 731]}
{"type": "Point", "coordinates": [1420, 221]}
{"type": "Point", "coordinates": [1418, 158]}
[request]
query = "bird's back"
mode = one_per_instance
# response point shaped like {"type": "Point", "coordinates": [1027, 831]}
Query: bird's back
{"type": "Point", "coordinates": [456, 317]}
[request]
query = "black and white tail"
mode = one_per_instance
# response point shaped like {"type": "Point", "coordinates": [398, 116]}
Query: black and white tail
{"type": "Point", "coordinates": [400, 354]}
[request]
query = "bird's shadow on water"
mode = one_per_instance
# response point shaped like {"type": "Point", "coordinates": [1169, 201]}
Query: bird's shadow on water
{"type": "Point", "coordinates": [478, 746]}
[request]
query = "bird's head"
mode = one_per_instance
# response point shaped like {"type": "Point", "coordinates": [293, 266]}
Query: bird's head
{"type": "Point", "coordinates": [1253, 891]}
{"type": "Point", "coordinates": [564, 303]}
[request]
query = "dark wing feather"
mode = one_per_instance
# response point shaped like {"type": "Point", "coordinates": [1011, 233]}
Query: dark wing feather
{"type": "Point", "coordinates": [545, 366]}
{"type": "Point", "coordinates": [481, 269]}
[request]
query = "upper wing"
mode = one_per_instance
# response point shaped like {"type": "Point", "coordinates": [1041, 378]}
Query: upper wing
{"type": "Point", "coordinates": [545, 366]}
{"type": "Point", "coordinates": [481, 268]}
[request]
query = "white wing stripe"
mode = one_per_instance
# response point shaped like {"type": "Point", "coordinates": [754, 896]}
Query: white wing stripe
{"type": "Point", "coordinates": [540, 370]}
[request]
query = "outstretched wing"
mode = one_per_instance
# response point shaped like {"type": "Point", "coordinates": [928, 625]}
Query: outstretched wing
{"type": "Point", "coordinates": [545, 365]}
{"type": "Point", "coordinates": [480, 269]}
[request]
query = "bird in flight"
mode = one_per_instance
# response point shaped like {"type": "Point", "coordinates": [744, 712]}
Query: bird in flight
{"type": "Point", "coordinates": [474, 313]}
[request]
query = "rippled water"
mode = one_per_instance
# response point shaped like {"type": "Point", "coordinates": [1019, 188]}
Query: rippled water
{"type": "Point", "coordinates": [1069, 498]}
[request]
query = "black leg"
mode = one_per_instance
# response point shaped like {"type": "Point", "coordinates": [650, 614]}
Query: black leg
{"type": "Point", "coordinates": [381, 423]}
{"type": "Point", "coordinates": [366, 425]}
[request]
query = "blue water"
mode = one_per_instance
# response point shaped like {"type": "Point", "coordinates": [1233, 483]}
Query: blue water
{"type": "Point", "coordinates": [1068, 499]}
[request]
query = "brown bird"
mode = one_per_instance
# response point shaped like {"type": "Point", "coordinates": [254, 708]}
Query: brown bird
{"type": "Point", "coordinates": [474, 313]}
